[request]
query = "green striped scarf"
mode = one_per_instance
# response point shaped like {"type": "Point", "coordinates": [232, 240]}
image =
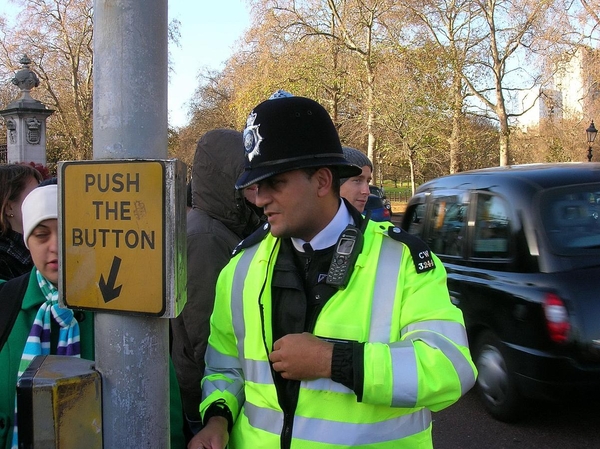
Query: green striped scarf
{"type": "Point", "coordinates": [38, 341]}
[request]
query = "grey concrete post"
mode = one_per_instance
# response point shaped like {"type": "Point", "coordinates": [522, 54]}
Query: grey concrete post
{"type": "Point", "coordinates": [25, 120]}
{"type": "Point", "coordinates": [130, 121]}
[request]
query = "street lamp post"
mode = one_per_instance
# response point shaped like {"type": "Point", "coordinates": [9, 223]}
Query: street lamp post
{"type": "Point", "coordinates": [591, 133]}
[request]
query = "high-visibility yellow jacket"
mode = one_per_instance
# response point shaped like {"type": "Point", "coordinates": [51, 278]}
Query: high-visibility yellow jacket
{"type": "Point", "coordinates": [416, 356]}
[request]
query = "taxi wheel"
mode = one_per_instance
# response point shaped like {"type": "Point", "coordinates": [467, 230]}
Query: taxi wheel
{"type": "Point", "coordinates": [495, 382]}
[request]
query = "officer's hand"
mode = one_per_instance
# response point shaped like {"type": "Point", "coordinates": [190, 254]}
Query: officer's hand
{"type": "Point", "coordinates": [213, 436]}
{"type": "Point", "coordinates": [302, 357]}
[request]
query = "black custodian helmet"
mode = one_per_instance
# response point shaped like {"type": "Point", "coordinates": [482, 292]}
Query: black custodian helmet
{"type": "Point", "coordinates": [287, 133]}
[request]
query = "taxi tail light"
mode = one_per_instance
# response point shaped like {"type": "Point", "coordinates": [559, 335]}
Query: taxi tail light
{"type": "Point", "coordinates": [557, 318]}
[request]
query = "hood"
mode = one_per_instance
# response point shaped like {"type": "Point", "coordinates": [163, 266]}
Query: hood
{"type": "Point", "coordinates": [218, 162]}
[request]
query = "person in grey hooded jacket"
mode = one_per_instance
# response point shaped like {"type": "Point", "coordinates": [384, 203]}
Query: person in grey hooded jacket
{"type": "Point", "coordinates": [219, 219]}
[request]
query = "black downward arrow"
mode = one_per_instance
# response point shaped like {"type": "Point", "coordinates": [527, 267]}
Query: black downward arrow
{"type": "Point", "coordinates": [109, 292]}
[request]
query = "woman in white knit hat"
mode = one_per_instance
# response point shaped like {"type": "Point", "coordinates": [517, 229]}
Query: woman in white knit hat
{"type": "Point", "coordinates": [43, 327]}
{"type": "Point", "coordinates": [40, 326]}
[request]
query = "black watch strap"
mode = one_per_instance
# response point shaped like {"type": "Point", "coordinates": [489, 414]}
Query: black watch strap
{"type": "Point", "coordinates": [219, 408]}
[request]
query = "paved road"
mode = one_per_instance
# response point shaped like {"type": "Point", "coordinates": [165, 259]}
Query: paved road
{"type": "Point", "coordinates": [466, 425]}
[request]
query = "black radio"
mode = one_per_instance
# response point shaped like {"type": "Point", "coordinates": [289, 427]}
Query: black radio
{"type": "Point", "coordinates": [347, 250]}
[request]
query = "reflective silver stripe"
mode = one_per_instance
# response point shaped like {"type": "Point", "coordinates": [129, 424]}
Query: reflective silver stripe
{"type": "Point", "coordinates": [325, 385]}
{"type": "Point", "coordinates": [210, 386]}
{"type": "Point", "coordinates": [258, 371]}
{"type": "Point", "coordinates": [237, 292]}
{"type": "Point", "coordinates": [384, 293]}
{"type": "Point", "coordinates": [340, 433]}
{"type": "Point", "coordinates": [405, 389]}
{"type": "Point", "coordinates": [265, 419]}
{"type": "Point", "coordinates": [216, 358]}
{"type": "Point", "coordinates": [228, 366]}
{"type": "Point", "coordinates": [458, 360]}
{"type": "Point", "coordinates": [450, 329]}
{"type": "Point", "coordinates": [231, 380]}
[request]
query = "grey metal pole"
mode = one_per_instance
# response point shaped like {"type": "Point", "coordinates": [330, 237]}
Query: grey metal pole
{"type": "Point", "coordinates": [130, 121]}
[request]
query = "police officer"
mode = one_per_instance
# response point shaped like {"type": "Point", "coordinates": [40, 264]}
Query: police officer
{"type": "Point", "coordinates": [328, 330]}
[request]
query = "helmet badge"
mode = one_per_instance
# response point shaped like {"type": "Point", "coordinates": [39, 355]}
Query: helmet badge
{"type": "Point", "coordinates": [252, 138]}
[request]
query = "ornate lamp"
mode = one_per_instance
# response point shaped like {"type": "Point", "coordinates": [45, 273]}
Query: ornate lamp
{"type": "Point", "coordinates": [591, 133]}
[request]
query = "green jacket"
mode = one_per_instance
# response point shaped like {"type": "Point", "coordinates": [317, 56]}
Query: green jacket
{"type": "Point", "coordinates": [10, 357]}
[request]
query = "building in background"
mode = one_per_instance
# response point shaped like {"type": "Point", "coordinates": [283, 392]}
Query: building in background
{"type": "Point", "coordinates": [572, 94]}
{"type": "Point", "coordinates": [547, 104]}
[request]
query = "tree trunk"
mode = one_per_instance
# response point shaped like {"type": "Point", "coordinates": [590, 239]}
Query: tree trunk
{"type": "Point", "coordinates": [504, 135]}
{"type": "Point", "coordinates": [411, 164]}
{"type": "Point", "coordinates": [454, 140]}
{"type": "Point", "coordinates": [370, 115]}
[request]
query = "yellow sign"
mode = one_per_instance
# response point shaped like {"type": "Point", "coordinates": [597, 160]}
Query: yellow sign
{"type": "Point", "coordinates": [113, 235]}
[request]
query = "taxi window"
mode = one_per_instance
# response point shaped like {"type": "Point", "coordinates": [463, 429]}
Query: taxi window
{"type": "Point", "coordinates": [571, 219]}
{"type": "Point", "coordinates": [447, 226]}
{"type": "Point", "coordinates": [492, 230]}
{"type": "Point", "coordinates": [416, 215]}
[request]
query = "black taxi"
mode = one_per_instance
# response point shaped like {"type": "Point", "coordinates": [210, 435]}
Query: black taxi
{"type": "Point", "coordinates": [521, 245]}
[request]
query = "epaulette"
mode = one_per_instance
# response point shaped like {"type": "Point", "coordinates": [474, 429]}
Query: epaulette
{"type": "Point", "coordinates": [420, 252]}
{"type": "Point", "coordinates": [252, 239]}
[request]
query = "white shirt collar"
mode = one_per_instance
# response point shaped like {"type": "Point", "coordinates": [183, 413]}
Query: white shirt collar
{"type": "Point", "coordinates": [330, 234]}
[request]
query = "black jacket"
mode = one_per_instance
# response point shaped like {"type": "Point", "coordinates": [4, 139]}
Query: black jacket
{"type": "Point", "coordinates": [15, 258]}
{"type": "Point", "coordinates": [217, 222]}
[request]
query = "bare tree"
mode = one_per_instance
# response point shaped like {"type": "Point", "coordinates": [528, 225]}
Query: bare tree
{"type": "Point", "coordinates": [340, 51]}
{"type": "Point", "coordinates": [57, 36]}
{"type": "Point", "coordinates": [589, 16]}
{"type": "Point", "coordinates": [411, 110]}
{"type": "Point", "coordinates": [210, 108]}
{"type": "Point", "coordinates": [266, 60]}
{"type": "Point", "coordinates": [502, 60]}
{"type": "Point", "coordinates": [450, 24]}
{"type": "Point", "coordinates": [356, 25]}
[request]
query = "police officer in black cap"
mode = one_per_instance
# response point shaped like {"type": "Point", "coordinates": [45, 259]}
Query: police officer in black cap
{"type": "Point", "coordinates": [328, 330]}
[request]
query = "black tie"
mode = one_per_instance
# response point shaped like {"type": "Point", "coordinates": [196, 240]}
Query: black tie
{"type": "Point", "coordinates": [308, 249]}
